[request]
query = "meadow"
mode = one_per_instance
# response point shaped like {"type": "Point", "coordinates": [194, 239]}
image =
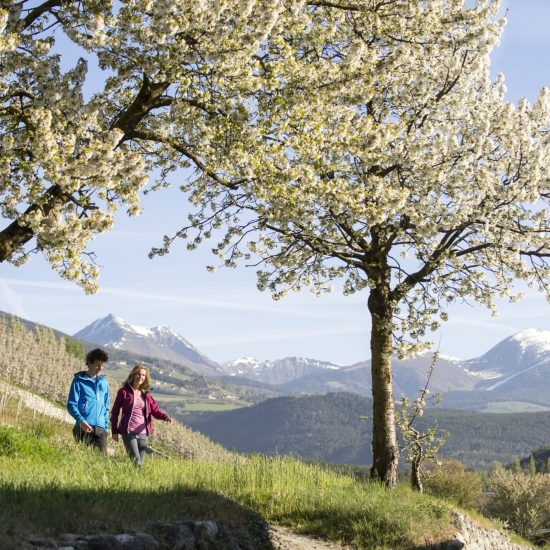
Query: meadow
{"type": "Point", "coordinates": [51, 485]}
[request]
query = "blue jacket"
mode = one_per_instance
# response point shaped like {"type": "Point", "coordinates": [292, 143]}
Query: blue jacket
{"type": "Point", "coordinates": [89, 399]}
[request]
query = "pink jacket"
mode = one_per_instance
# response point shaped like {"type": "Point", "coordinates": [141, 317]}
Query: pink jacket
{"type": "Point", "coordinates": [125, 401]}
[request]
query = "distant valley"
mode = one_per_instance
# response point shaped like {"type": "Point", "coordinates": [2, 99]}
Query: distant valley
{"type": "Point", "coordinates": [513, 376]}
{"type": "Point", "coordinates": [252, 406]}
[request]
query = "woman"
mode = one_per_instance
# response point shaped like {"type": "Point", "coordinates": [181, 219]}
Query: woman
{"type": "Point", "coordinates": [138, 407]}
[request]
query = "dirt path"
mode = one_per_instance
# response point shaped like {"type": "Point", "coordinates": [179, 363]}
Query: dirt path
{"type": "Point", "coordinates": [284, 539]}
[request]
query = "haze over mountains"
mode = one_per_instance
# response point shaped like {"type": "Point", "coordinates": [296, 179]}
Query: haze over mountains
{"type": "Point", "coordinates": [277, 372]}
{"type": "Point", "coordinates": [516, 369]}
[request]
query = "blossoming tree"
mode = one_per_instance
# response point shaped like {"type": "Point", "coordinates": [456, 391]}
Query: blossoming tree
{"type": "Point", "coordinates": [409, 176]}
{"type": "Point", "coordinates": [175, 88]}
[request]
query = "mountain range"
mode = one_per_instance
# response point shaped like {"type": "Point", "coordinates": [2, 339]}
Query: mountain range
{"type": "Point", "coordinates": [517, 370]}
{"type": "Point", "coordinates": [277, 372]}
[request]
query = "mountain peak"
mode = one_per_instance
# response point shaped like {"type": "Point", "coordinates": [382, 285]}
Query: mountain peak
{"type": "Point", "coordinates": [278, 371]}
{"type": "Point", "coordinates": [161, 342]}
{"type": "Point", "coordinates": [533, 337]}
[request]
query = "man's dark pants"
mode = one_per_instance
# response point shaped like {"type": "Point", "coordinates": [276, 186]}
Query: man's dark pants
{"type": "Point", "coordinates": [96, 438]}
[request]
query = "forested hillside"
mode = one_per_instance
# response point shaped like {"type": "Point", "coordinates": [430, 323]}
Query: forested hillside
{"type": "Point", "coordinates": [333, 428]}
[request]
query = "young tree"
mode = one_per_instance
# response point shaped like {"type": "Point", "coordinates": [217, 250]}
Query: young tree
{"type": "Point", "coordinates": [411, 178]}
{"type": "Point", "coordinates": [420, 447]}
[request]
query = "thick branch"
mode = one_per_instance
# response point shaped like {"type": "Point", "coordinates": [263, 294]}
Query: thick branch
{"type": "Point", "coordinates": [148, 98]}
{"type": "Point", "coordinates": [17, 234]}
{"type": "Point", "coordinates": [345, 7]}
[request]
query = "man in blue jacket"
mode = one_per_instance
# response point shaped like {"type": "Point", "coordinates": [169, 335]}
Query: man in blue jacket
{"type": "Point", "coordinates": [88, 402]}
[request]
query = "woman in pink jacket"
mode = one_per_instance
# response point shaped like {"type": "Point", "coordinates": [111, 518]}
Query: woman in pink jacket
{"type": "Point", "coordinates": [138, 407]}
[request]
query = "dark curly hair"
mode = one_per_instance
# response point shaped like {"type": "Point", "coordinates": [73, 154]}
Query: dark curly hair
{"type": "Point", "coordinates": [96, 355]}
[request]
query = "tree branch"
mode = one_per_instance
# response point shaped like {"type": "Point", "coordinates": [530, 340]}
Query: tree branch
{"type": "Point", "coordinates": [345, 7]}
{"type": "Point", "coordinates": [35, 13]}
{"type": "Point", "coordinates": [148, 98]}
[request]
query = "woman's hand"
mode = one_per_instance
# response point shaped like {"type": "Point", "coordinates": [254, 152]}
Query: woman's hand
{"type": "Point", "coordinates": [115, 437]}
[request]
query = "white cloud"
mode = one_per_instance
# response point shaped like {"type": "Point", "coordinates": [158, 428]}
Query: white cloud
{"type": "Point", "coordinates": [10, 300]}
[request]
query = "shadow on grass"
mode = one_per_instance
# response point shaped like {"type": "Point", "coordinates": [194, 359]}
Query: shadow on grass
{"type": "Point", "coordinates": [53, 511]}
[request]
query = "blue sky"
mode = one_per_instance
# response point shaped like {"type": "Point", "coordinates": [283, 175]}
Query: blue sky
{"type": "Point", "coordinates": [222, 313]}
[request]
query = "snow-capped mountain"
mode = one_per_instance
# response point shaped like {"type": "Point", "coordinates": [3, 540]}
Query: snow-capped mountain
{"type": "Point", "coordinates": [276, 372]}
{"type": "Point", "coordinates": [410, 376]}
{"type": "Point", "coordinates": [525, 355]}
{"type": "Point", "coordinates": [517, 369]}
{"type": "Point", "coordinates": [161, 342]}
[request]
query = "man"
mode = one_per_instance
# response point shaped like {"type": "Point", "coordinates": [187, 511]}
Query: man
{"type": "Point", "coordinates": [88, 402]}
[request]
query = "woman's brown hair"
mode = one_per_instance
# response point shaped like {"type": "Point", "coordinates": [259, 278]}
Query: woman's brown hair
{"type": "Point", "coordinates": [146, 383]}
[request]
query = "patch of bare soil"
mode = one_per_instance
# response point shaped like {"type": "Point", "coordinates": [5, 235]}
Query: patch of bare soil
{"type": "Point", "coordinates": [284, 539]}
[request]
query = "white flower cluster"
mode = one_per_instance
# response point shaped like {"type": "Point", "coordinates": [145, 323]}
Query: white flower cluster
{"type": "Point", "coordinates": [425, 184]}
{"type": "Point", "coordinates": [313, 141]}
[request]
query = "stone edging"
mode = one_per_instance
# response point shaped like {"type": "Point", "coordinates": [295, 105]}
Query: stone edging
{"type": "Point", "coordinates": [473, 537]}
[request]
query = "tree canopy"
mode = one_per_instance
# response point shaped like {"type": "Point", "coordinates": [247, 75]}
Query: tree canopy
{"type": "Point", "coordinates": [176, 88]}
{"type": "Point", "coordinates": [416, 166]}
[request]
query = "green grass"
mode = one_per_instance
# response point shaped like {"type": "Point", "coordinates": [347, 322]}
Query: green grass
{"type": "Point", "coordinates": [194, 404]}
{"type": "Point", "coordinates": [180, 376]}
{"type": "Point", "coordinates": [161, 397]}
{"type": "Point", "coordinates": [69, 488]}
{"type": "Point", "coordinates": [50, 483]}
{"type": "Point", "coordinates": [513, 407]}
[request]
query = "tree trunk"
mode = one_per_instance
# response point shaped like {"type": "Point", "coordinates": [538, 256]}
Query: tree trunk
{"type": "Point", "coordinates": [13, 237]}
{"type": "Point", "coordinates": [416, 481]}
{"type": "Point", "coordinates": [385, 450]}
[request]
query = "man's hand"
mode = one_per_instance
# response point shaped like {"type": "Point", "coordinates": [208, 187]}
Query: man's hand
{"type": "Point", "coordinates": [85, 427]}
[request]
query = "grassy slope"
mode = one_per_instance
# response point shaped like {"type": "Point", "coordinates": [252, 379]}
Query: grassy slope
{"type": "Point", "coordinates": [50, 483]}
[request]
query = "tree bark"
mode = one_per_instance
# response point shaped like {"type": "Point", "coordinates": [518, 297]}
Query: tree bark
{"type": "Point", "coordinates": [17, 234]}
{"type": "Point", "coordinates": [384, 436]}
